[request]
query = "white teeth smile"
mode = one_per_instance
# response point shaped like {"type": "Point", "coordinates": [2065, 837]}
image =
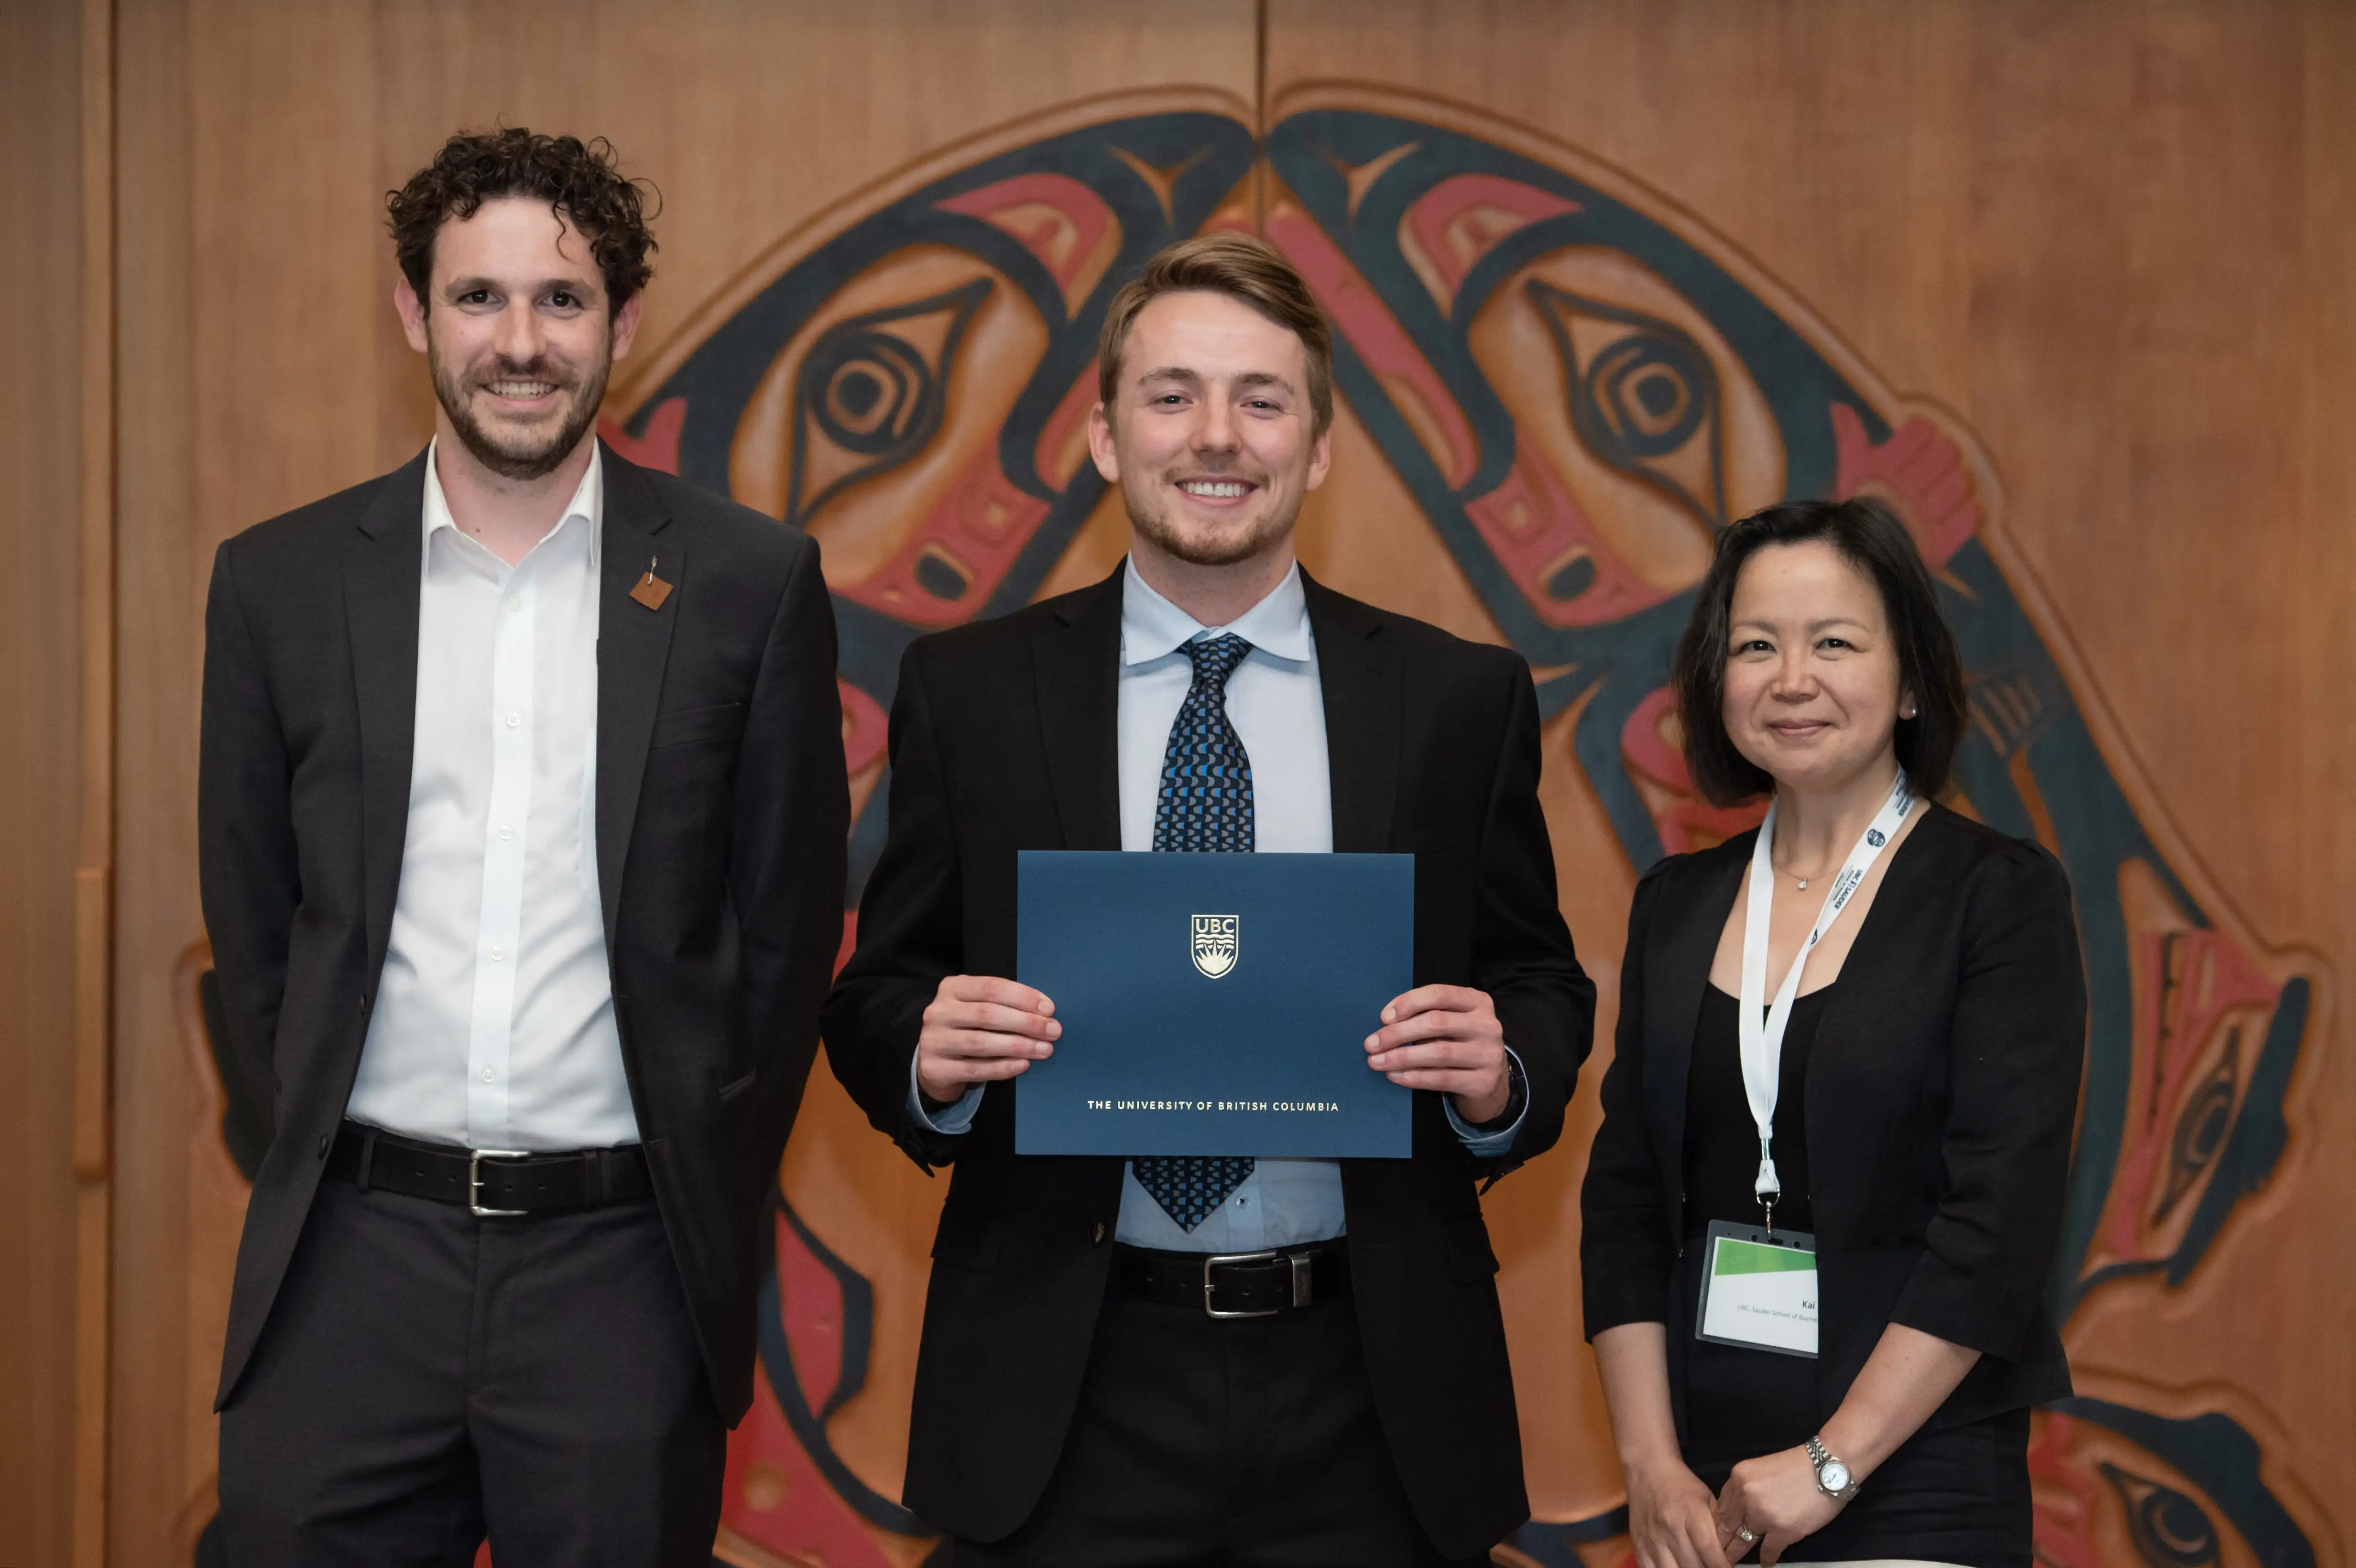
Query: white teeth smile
{"type": "Point", "coordinates": [522, 389]}
{"type": "Point", "coordinates": [1214, 490]}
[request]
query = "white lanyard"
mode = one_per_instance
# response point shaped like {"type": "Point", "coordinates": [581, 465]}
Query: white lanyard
{"type": "Point", "coordinates": [1763, 1037]}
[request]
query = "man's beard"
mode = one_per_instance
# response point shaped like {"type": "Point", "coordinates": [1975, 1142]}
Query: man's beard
{"type": "Point", "coordinates": [1222, 549]}
{"type": "Point", "coordinates": [522, 457]}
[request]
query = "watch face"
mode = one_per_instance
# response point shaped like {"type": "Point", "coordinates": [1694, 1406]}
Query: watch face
{"type": "Point", "coordinates": [1834, 1475]}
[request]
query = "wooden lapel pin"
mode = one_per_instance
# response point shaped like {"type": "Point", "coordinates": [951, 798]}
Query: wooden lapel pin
{"type": "Point", "coordinates": [650, 591]}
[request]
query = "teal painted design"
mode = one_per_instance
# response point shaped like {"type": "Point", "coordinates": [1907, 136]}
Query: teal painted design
{"type": "Point", "coordinates": [1649, 407]}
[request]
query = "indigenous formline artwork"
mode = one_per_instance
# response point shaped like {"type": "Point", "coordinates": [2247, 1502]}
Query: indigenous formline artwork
{"type": "Point", "coordinates": [1557, 385]}
{"type": "Point", "coordinates": [1575, 384]}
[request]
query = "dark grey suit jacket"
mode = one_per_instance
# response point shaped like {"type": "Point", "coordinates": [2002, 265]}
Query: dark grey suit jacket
{"type": "Point", "coordinates": [722, 815]}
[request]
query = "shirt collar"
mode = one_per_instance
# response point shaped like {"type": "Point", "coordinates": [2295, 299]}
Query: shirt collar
{"type": "Point", "coordinates": [1152, 626]}
{"type": "Point", "coordinates": [588, 501]}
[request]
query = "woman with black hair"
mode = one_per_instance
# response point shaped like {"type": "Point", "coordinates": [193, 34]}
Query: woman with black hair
{"type": "Point", "coordinates": [1821, 1207]}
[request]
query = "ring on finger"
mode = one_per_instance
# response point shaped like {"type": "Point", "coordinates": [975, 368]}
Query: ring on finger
{"type": "Point", "coordinates": [1748, 1537]}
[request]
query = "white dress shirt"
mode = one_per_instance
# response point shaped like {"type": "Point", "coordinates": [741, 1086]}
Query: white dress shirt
{"type": "Point", "coordinates": [494, 1020]}
{"type": "Point", "coordinates": [1277, 705]}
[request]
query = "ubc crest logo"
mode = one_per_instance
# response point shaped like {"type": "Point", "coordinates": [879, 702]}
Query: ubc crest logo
{"type": "Point", "coordinates": [1216, 943]}
{"type": "Point", "coordinates": [1875, 837]}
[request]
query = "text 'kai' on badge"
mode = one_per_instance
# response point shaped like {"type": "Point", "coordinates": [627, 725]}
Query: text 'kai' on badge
{"type": "Point", "coordinates": [650, 591]}
{"type": "Point", "coordinates": [1217, 941]}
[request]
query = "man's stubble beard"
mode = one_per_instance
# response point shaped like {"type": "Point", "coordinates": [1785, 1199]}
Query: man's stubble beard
{"type": "Point", "coordinates": [1268, 531]}
{"type": "Point", "coordinates": [541, 458]}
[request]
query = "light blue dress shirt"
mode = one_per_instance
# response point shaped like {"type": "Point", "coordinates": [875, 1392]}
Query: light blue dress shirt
{"type": "Point", "coordinates": [1278, 707]}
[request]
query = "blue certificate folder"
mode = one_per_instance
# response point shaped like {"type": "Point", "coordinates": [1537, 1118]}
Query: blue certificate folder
{"type": "Point", "coordinates": [1215, 1004]}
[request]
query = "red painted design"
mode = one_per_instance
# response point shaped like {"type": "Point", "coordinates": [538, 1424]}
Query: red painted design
{"type": "Point", "coordinates": [2188, 981]}
{"type": "Point", "coordinates": [1918, 470]}
{"type": "Point", "coordinates": [1055, 218]}
{"type": "Point", "coordinates": [1461, 219]}
{"type": "Point", "coordinates": [864, 727]}
{"type": "Point", "coordinates": [1377, 339]}
{"type": "Point", "coordinates": [966, 545]}
{"type": "Point", "coordinates": [1531, 520]}
{"type": "Point", "coordinates": [2065, 1497]}
{"type": "Point", "coordinates": [1054, 455]}
{"type": "Point", "coordinates": [849, 939]}
{"type": "Point", "coordinates": [774, 1495]}
{"type": "Point", "coordinates": [658, 448]}
{"type": "Point", "coordinates": [1536, 530]}
{"type": "Point", "coordinates": [1688, 823]}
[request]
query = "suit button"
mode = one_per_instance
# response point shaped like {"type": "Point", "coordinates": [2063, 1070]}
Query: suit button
{"type": "Point", "coordinates": [327, 1142]}
{"type": "Point", "coordinates": [363, 1004]}
{"type": "Point", "coordinates": [1096, 1234]}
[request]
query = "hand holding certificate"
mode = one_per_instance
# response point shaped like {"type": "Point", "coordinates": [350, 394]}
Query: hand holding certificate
{"type": "Point", "coordinates": [978, 1030]}
{"type": "Point", "coordinates": [1235, 1030]}
{"type": "Point", "coordinates": [981, 1029]}
{"type": "Point", "coordinates": [1446, 1039]}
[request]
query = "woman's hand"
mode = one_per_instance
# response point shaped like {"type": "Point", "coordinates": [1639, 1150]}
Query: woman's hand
{"type": "Point", "coordinates": [1672, 1520]}
{"type": "Point", "coordinates": [1776, 1500]}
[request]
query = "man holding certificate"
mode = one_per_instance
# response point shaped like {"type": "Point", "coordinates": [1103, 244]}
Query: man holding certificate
{"type": "Point", "coordinates": [1200, 1353]}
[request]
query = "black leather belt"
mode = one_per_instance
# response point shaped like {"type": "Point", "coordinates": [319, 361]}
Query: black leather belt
{"type": "Point", "coordinates": [489, 1182]}
{"type": "Point", "coordinates": [1237, 1285]}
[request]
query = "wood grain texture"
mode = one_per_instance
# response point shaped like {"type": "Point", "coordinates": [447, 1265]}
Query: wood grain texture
{"type": "Point", "coordinates": [94, 841]}
{"type": "Point", "coordinates": [160, 577]}
{"type": "Point", "coordinates": [40, 671]}
{"type": "Point", "coordinates": [2116, 243]}
{"type": "Point", "coordinates": [261, 368]}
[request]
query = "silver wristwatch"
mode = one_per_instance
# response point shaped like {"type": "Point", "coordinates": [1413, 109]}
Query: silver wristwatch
{"type": "Point", "coordinates": [1833, 1477]}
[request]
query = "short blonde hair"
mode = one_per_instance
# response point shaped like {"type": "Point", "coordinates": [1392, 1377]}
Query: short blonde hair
{"type": "Point", "coordinates": [1242, 266]}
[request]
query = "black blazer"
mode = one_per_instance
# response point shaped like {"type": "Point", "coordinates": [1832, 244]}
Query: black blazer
{"type": "Point", "coordinates": [722, 817]}
{"type": "Point", "coordinates": [1003, 738]}
{"type": "Point", "coordinates": [1941, 1093]}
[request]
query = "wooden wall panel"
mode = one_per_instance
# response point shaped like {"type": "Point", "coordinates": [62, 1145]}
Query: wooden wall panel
{"type": "Point", "coordinates": [161, 563]}
{"type": "Point", "coordinates": [2113, 247]}
{"type": "Point", "coordinates": [2115, 243]}
{"type": "Point", "coordinates": [40, 671]}
{"type": "Point", "coordinates": [263, 368]}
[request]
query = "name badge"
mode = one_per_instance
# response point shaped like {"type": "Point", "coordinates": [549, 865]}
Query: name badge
{"type": "Point", "coordinates": [1759, 1289]}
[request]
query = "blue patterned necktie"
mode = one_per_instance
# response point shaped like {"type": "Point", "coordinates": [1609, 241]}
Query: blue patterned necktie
{"type": "Point", "coordinates": [1205, 804]}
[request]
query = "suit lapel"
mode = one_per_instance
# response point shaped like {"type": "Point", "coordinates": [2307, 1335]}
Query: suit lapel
{"type": "Point", "coordinates": [382, 584]}
{"type": "Point", "coordinates": [1909, 881]}
{"type": "Point", "coordinates": [1359, 672]}
{"type": "Point", "coordinates": [632, 645]}
{"type": "Point", "coordinates": [1678, 975]}
{"type": "Point", "coordinates": [1077, 665]}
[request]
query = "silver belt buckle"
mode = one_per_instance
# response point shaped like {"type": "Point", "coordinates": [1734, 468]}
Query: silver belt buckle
{"type": "Point", "coordinates": [1216, 1258]}
{"type": "Point", "coordinates": [475, 1158]}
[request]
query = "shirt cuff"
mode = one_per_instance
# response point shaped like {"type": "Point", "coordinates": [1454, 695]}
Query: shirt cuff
{"type": "Point", "coordinates": [957, 1117]}
{"type": "Point", "coordinates": [1478, 1142]}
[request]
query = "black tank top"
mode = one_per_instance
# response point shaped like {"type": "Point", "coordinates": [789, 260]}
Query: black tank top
{"type": "Point", "coordinates": [1721, 1140]}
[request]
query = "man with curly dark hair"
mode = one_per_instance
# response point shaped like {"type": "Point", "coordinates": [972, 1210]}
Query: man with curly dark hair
{"type": "Point", "coordinates": [521, 819]}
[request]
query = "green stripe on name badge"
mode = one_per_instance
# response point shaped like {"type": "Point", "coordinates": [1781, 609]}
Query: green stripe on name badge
{"type": "Point", "coordinates": [1757, 1257]}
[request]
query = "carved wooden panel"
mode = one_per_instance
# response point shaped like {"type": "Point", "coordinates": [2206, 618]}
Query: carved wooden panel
{"type": "Point", "coordinates": [1558, 384]}
{"type": "Point", "coordinates": [1556, 381]}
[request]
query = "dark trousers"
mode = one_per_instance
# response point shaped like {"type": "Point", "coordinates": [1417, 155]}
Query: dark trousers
{"type": "Point", "coordinates": [1200, 1443]}
{"type": "Point", "coordinates": [428, 1378]}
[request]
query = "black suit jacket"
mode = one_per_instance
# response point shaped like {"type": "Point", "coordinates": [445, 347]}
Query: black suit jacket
{"type": "Point", "coordinates": [1003, 740]}
{"type": "Point", "coordinates": [1941, 1092]}
{"type": "Point", "coordinates": [721, 815]}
